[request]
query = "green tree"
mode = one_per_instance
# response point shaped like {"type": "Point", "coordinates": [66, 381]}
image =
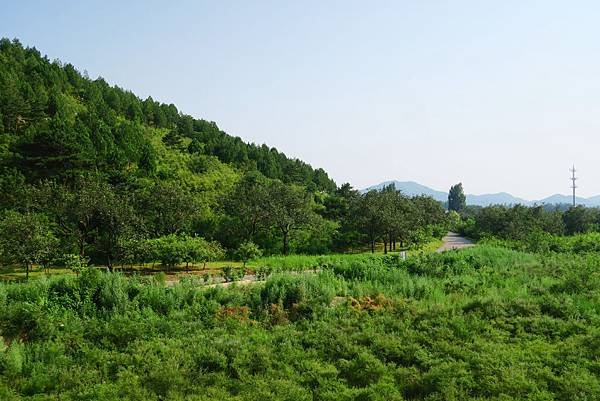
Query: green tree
{"type": "Point", "coordinates": [371, 217]}
{"type": "Point", "coordinates": [247, 250]}
{"type": "Point", "coordinates": [75, 262]}
{"type": "Point", "coordinates": [388, 200]}
{"type": "Point", "coordinates": [579, 219]}
{"type": "Point", "coordinates": [197, 249]}
{"type": "Point", "coordinates": [169, 208]}
{"type": "Point", "coordinates": [457, 200]}
{"type": "Point", "coordinates": [342, 207]}
{"type": "Point", "coordinates": [26, 239]}
{"type": "Point", "coordinates": [170, 250]}
{"type": "Point", "coordinates": [78, 211]}
{"type": "Point", "coordinates": [247, 206]}
{"type": "Point", "coordinates": [173, 250]}
{"type": "Point", "coordinates": [71, 209]}
{"type": "Point", "coordinates": [288, 208]}
{"type": "Point", "coordinates": [114, 221]}
{"type": "Point", "coordinates": [405, 219]}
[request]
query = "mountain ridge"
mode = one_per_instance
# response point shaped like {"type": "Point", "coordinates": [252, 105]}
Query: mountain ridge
{"type": "Point", "coordinates": [412, 188]}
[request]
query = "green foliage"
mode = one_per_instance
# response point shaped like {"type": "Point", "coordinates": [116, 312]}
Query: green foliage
{"type": "Point", "coordinates": [74, 262]}
{"type": "Point", "coordinates": [454, 221]}
{"type": "Point", "coordinates": [287, 208]}
{"type": "Point", "coordinates": [540, 242]}
{"type": "Point", "coordinates": [391, 217]}
{"type": "Point", "coordinates": [66, 124]}
{"type": "Point", "coordinates": [516, 222]}
{"type": "Point", "coordinates": [580, 219]}
{"type": "Point", "coordinates": [110, 170]}
{"type": "Point", "coordinates": [172, 250]}
{"type": "Point", "coordinates": [26, 239]}
{"type": "Point", "coordinates": [230, 274]}
{"type": "Point", "coordinates": [248, 250]}
{"type": "Point", "coordinates": [482, 323]}
{"type": "Point", "coordinates": [457, 200]}
{"type": "Point", "coordinates": [300, 292]}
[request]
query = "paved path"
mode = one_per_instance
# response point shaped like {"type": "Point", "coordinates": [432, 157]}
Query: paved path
{"type": "Point", "coordinates": [454, 241]}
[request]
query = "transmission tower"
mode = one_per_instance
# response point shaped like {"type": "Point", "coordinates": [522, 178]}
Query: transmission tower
{"type": "Point", "coordinates": [573, 179]}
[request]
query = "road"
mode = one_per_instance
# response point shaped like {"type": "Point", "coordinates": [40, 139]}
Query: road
{"type": "Point", "coordinates": [454, 241]}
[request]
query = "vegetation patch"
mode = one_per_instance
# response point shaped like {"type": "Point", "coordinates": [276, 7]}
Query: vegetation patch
{"type": "Point", "coordinates": [482, 323]}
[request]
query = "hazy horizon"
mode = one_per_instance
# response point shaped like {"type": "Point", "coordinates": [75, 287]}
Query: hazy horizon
{"type": "Point", "coordinates": [500, 97]}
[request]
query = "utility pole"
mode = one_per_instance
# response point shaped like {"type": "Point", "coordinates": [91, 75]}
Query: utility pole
{"type": "Point", "coordinates": [573, 179]}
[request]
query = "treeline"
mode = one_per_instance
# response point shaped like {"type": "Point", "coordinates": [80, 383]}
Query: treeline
{"type": "Point", "coordinates": [164, 223]}
{"type": "Point", "coordinates": [521, 222]}
{"type": "Point", "coordinates": [386, 216]}
{"type": "Point", "coordinates": [538, 229]}
{"type": "Point", "coordinates": [90, 171]}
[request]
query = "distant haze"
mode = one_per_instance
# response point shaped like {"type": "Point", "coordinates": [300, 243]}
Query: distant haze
{"type": "Point", "coordinates": [411, 188]}
{"type": "Point", "coordinates": [502, 96]}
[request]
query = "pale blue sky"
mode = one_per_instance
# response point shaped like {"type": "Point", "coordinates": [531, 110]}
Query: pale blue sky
{"type": "Point", "coordinates": [501, 95]}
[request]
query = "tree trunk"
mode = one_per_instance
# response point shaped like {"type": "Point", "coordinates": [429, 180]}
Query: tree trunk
{"type": "Point", "coordinates": [81, 245]}
{"type": "Point", "coordinates": [385, 246]}
{"type": "Point", "coordinates": [372, 246]}
{"type": "Point", "coordinates": [26, 271]}
{"type": "Point", "coordinates": [286, 244]}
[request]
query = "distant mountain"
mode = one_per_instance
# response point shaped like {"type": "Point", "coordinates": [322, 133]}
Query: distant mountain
{"type": "Point", "coordinates": [412, 188]}
{"type": "Point", "coordinates": [500, 198]}
{"type": "Point", "coordinates": [594, 200]}
{"type": "Point", "coordinates": [559, 199]}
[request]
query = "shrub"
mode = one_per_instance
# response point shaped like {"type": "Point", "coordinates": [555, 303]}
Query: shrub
{"type": "Point", "coordinates": [247, 250]}
{"type": "Point", "coordinates": [230, 273]}
{"type": "Point", "coordinates": [74, 262]}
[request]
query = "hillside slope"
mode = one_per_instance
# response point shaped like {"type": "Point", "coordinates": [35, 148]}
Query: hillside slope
{"type": "Point", "coordinates": [57, 123]}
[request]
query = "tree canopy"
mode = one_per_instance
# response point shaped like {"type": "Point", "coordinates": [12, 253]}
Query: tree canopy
{"type": "Point", "coordinates": [119, 179]}
{"type": "Point", "coordinates": [457, 200]}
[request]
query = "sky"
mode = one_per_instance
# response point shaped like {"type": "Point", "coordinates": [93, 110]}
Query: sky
{"type": "Point", "coordinates": [498, 95]}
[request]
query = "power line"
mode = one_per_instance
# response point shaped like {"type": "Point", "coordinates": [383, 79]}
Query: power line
{"type": "Point", "coordinates": [573, 179]}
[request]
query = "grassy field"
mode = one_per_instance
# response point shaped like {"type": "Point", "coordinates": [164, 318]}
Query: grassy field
{"type": "Point", "coordinates": [214, 268]}
{"type": "Point", "coordinates": [482, 323]}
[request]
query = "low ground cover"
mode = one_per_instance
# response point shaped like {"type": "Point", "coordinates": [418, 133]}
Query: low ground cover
{"type": "Point", "coordinates": [482, 323]}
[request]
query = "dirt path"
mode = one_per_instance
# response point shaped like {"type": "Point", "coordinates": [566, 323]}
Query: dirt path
{"type": "Point", "coordinates": [451, 241]}
{"type": "Point", "coordinates": [454, 241]}
{"type": "Point", "coordinates": [216, 281]}
{"type": "Point", "coordinates": [247, 279]}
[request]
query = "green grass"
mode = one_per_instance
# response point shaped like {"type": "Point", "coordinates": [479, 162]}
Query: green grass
{"type": "Point", "coordinates": [13, 273]}
{"type": "Point", "coordinates": [311, 262]}
{"type": "Point", "coordinates": [279, 263]}
{"type": "Point", "coordinates": [480, 323]}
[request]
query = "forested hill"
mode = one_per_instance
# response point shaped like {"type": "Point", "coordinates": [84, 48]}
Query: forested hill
{"type": "Point", "coordinates": [90, 170]}
{"type": "Point", "coordinates": [57, 123]}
